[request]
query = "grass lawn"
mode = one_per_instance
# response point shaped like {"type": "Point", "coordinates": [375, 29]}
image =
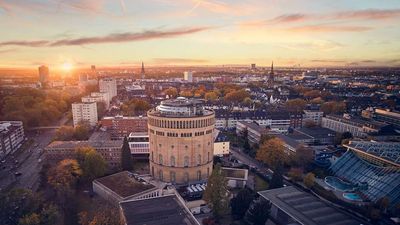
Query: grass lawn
{"type": "Point", "coordinates": [259, 184]}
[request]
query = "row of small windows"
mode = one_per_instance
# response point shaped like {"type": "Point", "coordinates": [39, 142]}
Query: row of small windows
{"type": "Point", "coordinates": [181, 124]}
{"type": "Point", "coordinates": [171, 134]}
{"type": "Point", "coordinates": [172, 161]}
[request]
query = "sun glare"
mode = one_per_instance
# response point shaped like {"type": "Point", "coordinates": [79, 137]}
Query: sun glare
{"type": "Point", "coordinates": [67, 66]}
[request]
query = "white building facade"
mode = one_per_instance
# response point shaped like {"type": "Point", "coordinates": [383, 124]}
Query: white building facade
{"type": "Point", "coordinates": [85, 112]}
{"type": "Point", "coordinates": [108, 85]}
{"type": "Point", "coordinates": [11, 137]}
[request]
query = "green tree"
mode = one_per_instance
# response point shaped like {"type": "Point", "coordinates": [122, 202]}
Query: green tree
{"type": "Point", "coordinates": [92, 163]}
{"type": "Point", "coordinates": [272, 152]}
{"type": "Point", "coordinates": [241, 203]}
{"type": "Point", "coordinates": [126, 156]}
{"type": "Point", "coordinates": [258, 212]}
{"type": "Point", "coordinates": [309, 180]}
{"type": "Point", "coordinates": [277, 179]}
{"type": "Point", "coordinates": [17, 203]}
{"type": "Point", "coordinates": [216, 193]}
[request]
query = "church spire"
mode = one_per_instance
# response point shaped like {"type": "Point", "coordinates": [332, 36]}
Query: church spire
{"type": "Point", "coordinates": [142, 72]}
{"type": "Point", "coordinates": [272, 68]}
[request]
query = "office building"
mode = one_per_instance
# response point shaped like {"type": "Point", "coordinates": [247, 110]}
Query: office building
{"type": "Point", "coordinates": [60, 150]}
{"type": "Point", "coordinates": [356, 126]}
{"type": "Point", "coordinates": [315, 116]}
{"type": "Point", "coordinates": [139, 144]}
{"type": "Point", "coordinates": [221, 143]}
{"type": "Point", "coordinates": [108, 85]}
{"type": "Point", "coordinates": [374, 165]}
{"type": "Point", "coordinates": [390, 117]}
{"type": "Point", "coordinates": [97, 97]}
{"type": "Point", "coordinates": [254, 131]}
{"type": "Point", "coordinates": [44, 74]}
{"type": "Point", "coordinates": [292, 206]}
{"type": "Point", "coordinates": [121, 126]}
{"type": "Point", "coordinates": [85, 112]}
{"type": "Point", "coordinates": [188, 76]}
{"type": "Point", "coordinates": [11, 137]}
{"type": "Point", "coordinates": [181, 141]}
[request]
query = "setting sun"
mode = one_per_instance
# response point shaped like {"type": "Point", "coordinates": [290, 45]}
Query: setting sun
{"type": "Point", "coordinates": [67, 66]}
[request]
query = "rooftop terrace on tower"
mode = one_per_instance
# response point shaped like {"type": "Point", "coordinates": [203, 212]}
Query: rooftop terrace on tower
{"type": "Point", "coordinates": [181, 108]}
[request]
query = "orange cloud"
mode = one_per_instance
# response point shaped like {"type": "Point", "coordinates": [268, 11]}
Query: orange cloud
{"type": "Point", "coordinates": [328, 28]}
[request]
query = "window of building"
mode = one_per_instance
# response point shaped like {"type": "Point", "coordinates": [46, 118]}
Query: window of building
{"type": "Point", "coordinates": [172, 160]}
{"type": "Point", "coordinates": [199, 175]}
{"type": "Point", "coordinates": [172, 177]}
{"type": "Point", "coordinates": [160, 175]}
{"type": "Point", "coordinates": [160, 159]}
{"type": "Point", "coordinates": [199, 160]}
{"type": "Point", "coordinates": [186, 161]}
{"type": "Point", "coordinates": [186, 177]}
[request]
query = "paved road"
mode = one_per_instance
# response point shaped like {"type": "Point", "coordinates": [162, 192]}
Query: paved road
{"type": "Point", "coordinates": [28, 160]}
{"type": "Point", "coordinates": [28, 163]}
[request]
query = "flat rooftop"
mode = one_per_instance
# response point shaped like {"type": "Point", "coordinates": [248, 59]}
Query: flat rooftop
{"type": "Point", "coordinates": [78, 144]}
{"type": "Point", "coordinates": [385, 150]}
{"type": "Point", "coordinates": [306, 208]}
{"type": "Point", "coordinates": [166, 210]}
{"type": "Point", "coordinates": [124, 184]}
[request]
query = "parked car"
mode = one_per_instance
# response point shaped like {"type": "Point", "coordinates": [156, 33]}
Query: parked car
{"type": "Point", "coordinates": [17, 173]}
{"type": "Point", "coordinates": [205, 209]}
{"type": "Point", "coordinates": [195, 210]}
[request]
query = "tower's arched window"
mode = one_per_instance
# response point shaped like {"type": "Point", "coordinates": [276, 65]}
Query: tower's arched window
{"type": "Point", "coordinates": [199, 159]}
{"type": "Point", "coordinates": [186, 161]}
{"type": "Point", "coordinates": [160, 159]}
{"type": "Point", "coordinates": [172, 160]}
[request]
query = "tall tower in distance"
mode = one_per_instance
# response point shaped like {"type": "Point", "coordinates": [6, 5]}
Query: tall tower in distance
{"type": "Point", "coordinates": [142, 72]}
{"type": "Point", "coordinates": [43, 75]}
{"type": "Point", "coordinates": [181, 141]}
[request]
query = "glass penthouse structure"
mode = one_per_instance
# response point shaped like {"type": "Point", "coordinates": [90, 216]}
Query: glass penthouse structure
{"type": "Point", "coordinates": [374, 166]}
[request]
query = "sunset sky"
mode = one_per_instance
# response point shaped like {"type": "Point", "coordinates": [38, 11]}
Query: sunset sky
{"type": "Point", "coordinates": [199, 32]}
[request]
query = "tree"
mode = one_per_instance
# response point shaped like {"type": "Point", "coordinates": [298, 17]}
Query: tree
{"type": "Point", "coordinates": [171, 92]}
{"type": "Point", "coordinates": [92, 163]}
{"type": "Point", "coordinates": [296, 174]}
{"type": "Point", "coordinates": [186, 93]}
{"type": "Point", "coordinates": [211, 96]}
{"type": "Point", "coordinates": [241, 203]}
{"type": "Point", "coordinates": [312, 94]}
{"type": "Point", "coordinates": [49, 215]}
{"type": "Point", "coordinates": [81, 132]}
{"type": "Point", "coordinates": [126, 156]}
{"type": "Point", "coordinates": [258, 212]}
{"type": "Point", "coordinates": [295, 105]}
{"type": "Point", "coordinates": [135, 107]}
{"type": "Point", "coordinates": [303, 156]}
{"type": "Point", "coordinates": [31, 219]}
{"type": "Point", "coordinates": [16, 204]}
{"type": "Point", "coordinates": [272, 152]}
{"type": "Point", "coordinates": [277, 179]}
{"type": "Point", "coordinates": [246, 144]}
{"type": "Point", "coordinates": [333, 107]}
{"type": "Point", "coordinates": [236, 96]}
{"type": "Point", "coordinates": [309, 180]}
{"type": "Point", "coordinates": [63, 176]}
{"type": "Point", "coordinates": [64, 133]}
{"type": "Point", "coordinates": [216, 193]}
{"type": "Point", "coordinates": [103, 216]}
{"type": "Point", "coordinates": [247, 101]}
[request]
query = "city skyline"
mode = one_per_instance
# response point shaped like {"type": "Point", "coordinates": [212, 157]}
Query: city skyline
{"type": "Point", "coordinates": [79, 33]}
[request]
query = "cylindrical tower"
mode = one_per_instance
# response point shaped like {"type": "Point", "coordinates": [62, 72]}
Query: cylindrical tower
{"type": "Point", "coordinates": [181, 141]}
